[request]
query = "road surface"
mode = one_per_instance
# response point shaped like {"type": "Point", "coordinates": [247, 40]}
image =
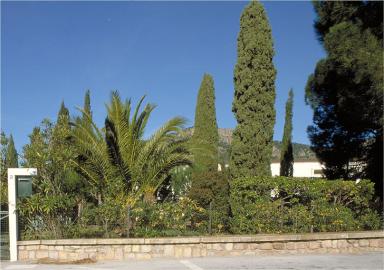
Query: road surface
{"type": "Point", "coordinates": [373, 260]}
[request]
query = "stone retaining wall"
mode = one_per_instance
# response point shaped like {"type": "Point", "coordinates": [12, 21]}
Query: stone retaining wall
{"type": "Point", "coordinates": [140, 248]}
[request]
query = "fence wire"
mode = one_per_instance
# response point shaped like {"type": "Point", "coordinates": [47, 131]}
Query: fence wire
{"type": "Point", "coordinates": [4, 236]}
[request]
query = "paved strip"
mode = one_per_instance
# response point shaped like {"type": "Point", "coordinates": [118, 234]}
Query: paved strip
{"type": "Point", "coordinates": [20, 266]}
{"type": "Point", "coordinates": [363, 261]}
{"type": "Point", "coordinates": [190, 265]}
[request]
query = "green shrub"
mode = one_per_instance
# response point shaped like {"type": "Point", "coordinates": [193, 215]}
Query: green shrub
{"type": "Point", "coordinates": [167, 218]}
{"type": "Point", "coordinates": [282, 204]}
{"type": "Point", "coordinates": [45, 217]}
{"type": "Point", "coordinates": [212, 187]}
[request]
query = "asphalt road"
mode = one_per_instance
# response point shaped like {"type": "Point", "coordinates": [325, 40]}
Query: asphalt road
{"type": "Point", "coordinates": [359, 261]}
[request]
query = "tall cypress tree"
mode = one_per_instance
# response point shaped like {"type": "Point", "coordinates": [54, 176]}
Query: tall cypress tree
{"type": "Point", "coordinates": [11, 157]}
{"type": "Point", "coordinates": [205, 137]}
{"type": "Point", "coordinates": [208, 185]}
{"type": "Point", "coordinates": [286, 155]}
{"type": "Point", "coordinates": [63, 115]}
{"type": "Point", "coordinates": [253, 105]}
{"type": "Point", "coordinates": [87, 104]}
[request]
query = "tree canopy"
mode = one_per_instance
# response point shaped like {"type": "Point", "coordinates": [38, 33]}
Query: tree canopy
{"type": "Point", "coordinates": [346, 90]}
{"type": "Point", "coordinates": [254, 98]}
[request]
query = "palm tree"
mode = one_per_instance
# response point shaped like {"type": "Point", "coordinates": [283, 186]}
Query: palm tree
{"type": "Point", "coordinates": [117, 159]}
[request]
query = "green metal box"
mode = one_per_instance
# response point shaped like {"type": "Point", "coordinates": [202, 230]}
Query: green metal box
{"type": "Point", "coordinates": [24, 186]}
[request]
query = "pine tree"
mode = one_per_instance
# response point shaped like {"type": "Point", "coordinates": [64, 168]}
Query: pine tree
{"type": "Point", "coordinates": [253, 105]}
{"type": "Point", "coordinates": [11, 157]}
{"type": "Point", "coordinates": [346, 90]}
{"type": "Point", "coordinates": [286, 155]}
{"type": "Point", "coordinates": [205, 137]}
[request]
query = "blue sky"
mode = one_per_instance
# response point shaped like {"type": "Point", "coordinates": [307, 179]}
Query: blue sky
{"type": "Point", "coordinates": [54, 51]}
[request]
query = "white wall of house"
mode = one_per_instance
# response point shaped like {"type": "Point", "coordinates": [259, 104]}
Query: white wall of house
{"type": "Point", "coordinates": [300, 169]}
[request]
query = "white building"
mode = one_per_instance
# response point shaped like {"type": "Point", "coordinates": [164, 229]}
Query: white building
{"type": "Point", "coordinates": [301, 168]}
{"type": "Point", "coordinates": [308, 168]}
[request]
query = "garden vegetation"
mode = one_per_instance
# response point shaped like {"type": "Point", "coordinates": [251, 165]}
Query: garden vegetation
{"type": "Point", "coordinates": [115, 180]}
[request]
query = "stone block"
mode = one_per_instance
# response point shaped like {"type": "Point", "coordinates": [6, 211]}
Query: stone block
{"type": "Point", "coordinates": [32, 255]}
{"type": "Point", "coordinates": [23, 255]}
{"type": "Point", "coordinates": [127, 248]}
{"type": "Point", "coordinates": [278, 246]}
{"type": "Point", "coordinates": [342, 243]}
{"type": "Point", "coordinates": [92, 255]}
{"type": "Point", "coordinates": [218, 247]}
{"type": "Point", "coordinates": [169, 250]}
{"type": "Point", "coordinates": [314, 245]}
{"type": "Point", "coordinates": [41, 254]}
{"type": "Point", "coordinates": [178, 251]}
{"type": "Point", "coordinates": [43, 247]}
{"type": "Point", "coordinates": [109, 253]}
{"type": "Point", "coordinates": [239, 246]}
{"type": "Point", "coordinates": [63, 255]}
{"type": "Point", "coordinates": [290, 246]}
{"type": "Point", "coordinates": [89, 249]}
{"type": "Point", "coordinates": [59, 248]}
{"type": "Point", "coordinates": [253, 246]}
{"type": "Point", "coordinates": [363, 243]}
{"type": "Point", "coordinates": [266, 246]}
{"type": "Point", "coordinates": [374, 242]}
{"type": "Point", "coordinates": [203, 252]}
{"type": "Point", "coordinates": [119, 254]}
{"type": "Point", "coordinates": [187, 252]}
{"type": "Point", "coordinates": [53, 254]}
{"type": "Point", "coordinates": [381, 243]}
{"type": "Point", "coordinates": [196, 252]}
{"type": "Point", "coordinates": [82, 256]}
{"type": "Point", "coordinates": [334, 243]}
{"type": "Point", "coordinates": [228, 246]}
{"type": "Point", "coordinates": [326, 243]}
{"type": "Point", "coordinates": [135, 248]}
{"type": "Point", "coordinates": [73, 256]}
{"type": "Point", "coordinates": [145, 248]}
{"type": "Point", "coordinates": [32, 247]}
{"type": "Point", "coordinates": [301, 245]}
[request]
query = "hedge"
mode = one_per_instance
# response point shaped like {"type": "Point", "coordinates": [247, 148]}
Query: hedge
{"type": "Point", "coordinates": [283, 205]}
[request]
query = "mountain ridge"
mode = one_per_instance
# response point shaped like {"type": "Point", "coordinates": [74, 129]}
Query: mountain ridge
{"type": "Point", "coordinates": [301, 152]}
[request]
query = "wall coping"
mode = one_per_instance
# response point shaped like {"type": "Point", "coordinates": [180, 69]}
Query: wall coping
{"type": "Point", "coordinates": [209, 239]}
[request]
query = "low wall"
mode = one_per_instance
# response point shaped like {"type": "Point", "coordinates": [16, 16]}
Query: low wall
{"type": "Point", "coordinates": [140, 248]}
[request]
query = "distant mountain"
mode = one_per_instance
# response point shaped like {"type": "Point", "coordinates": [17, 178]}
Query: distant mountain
{"type": "Point", "coordinates": [301, 152]}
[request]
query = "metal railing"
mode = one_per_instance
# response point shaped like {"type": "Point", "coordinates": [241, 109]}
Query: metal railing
{"type": "Point", "coordinates": [4, 236]}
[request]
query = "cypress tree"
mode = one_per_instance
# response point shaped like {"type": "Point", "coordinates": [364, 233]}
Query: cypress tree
{"type": "Point", "coordinates": [63, 115]}
{"type": "Point", "coordinates": [87, 104]}
{"type": "Point", "coordinates": [286, 155]}
{"type": "Point", "coordinates": [208, 185]}
{"type": "Point", "coordinates": [205, 137]}
{"type": "Point", "coordinates": [11, 157]}
{"type": "Point", "coordinates": [253, 104]}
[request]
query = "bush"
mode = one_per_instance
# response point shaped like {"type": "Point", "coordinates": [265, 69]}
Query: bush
{"type": "Point", "coordinates": [168, 219]}
{"type": "Point", "coordinates": [282, 204]}
{"type": "Point", "coordinates": [212, 187]}
{"type": "Point", "coordinates": [45, 217]}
